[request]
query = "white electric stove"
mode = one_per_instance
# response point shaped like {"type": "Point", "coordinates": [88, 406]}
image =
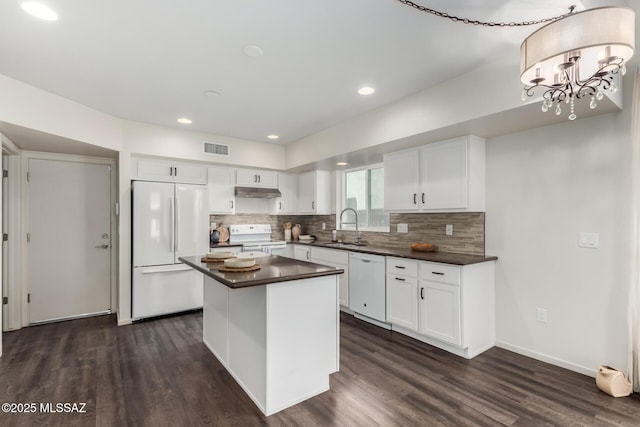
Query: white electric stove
{"type": "Point", "coordinates": [256, 238]}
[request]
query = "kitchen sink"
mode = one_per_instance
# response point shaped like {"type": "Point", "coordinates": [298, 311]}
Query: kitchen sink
{"type": "Point", "coordinates": [344, 245]}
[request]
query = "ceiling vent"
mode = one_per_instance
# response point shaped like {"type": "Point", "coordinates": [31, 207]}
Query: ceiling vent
{"type": "Point", "coordinates": [218, 149]}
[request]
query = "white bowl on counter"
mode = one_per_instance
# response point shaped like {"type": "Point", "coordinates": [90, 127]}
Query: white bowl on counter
{"type": "Point", "coordinates": [220, 255]}
{"type": "Point", "coordinates": [239, 262]}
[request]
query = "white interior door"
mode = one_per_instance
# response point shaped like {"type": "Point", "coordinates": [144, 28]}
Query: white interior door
{"type": "Point", "coordinates": [69, 239]}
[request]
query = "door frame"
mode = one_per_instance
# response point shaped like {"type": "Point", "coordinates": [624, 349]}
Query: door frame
{"type": "Point", "coordinates": [28, 155]}
{"type": "Point", "coordinates": [12, 319]}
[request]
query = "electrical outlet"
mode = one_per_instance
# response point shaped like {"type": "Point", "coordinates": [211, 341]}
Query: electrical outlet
{"type": "Point", "coordinates": [403, 228]}
{"type": "Point", "coordinates": [448, 230]}
{"type": "Point", "coordinates": [541, 315]}
{"type": "Point", "coordinates": [324, 225]}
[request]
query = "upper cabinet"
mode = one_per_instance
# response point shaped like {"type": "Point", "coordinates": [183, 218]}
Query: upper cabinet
{"type": "Point", "coordinates": [288, 186]}
{"type": "Point", "coordinates": [443, 176]}
{"type": "Point", "coordinates": [256, 178]}
{"type": "Point", "coordinates": [168, 171]}
{"type": "Point", "coordinates": [314, 193]}
{"type": "Point", "coordinates": [221, 190]}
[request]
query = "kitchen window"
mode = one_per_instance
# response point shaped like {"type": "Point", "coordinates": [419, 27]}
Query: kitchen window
{"type": "Point", "coordinates": [364, 192]}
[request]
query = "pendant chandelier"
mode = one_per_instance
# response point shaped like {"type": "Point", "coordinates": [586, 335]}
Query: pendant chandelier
{"type": "Point", "coordinates": [577, 56]}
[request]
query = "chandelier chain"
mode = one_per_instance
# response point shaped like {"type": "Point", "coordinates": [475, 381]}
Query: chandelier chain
{"type": "Point", "coordinates": [483, 23]}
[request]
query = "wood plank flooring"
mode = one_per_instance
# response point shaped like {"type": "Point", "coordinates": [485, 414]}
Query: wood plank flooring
{"type": "Point", "coordinates": [158, 373]}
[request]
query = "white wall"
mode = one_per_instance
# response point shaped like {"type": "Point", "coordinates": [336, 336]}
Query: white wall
{"type": "Point", "coordinates": [544, 186]}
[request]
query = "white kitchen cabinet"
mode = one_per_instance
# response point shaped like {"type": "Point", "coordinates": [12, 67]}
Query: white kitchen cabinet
{"type": "Point", "coordinates": [314, 193]}
{"type": "Point", "coordinates": [335, 258]}
{"type": "Point", "coordinates": [302, 252]}
{"type": "Point", "coordinates": [256, 178]}
{"type": "Point", "coordinates": [221, 184]}
{"type": "Point", "coordinates": [402, 292]}
{"type": "Point", "coordinates": [168, 171]}
{"type": "Point", "coordinates": [288, 186]}
{"type": "Point", "coordinates": [440, 311]}
{"type": "Point", "coordinates": [367, 285]}
{"type": "Point", "coordinates": [443, 176]}
{"type": "Point", "coordinates": [401, 181]}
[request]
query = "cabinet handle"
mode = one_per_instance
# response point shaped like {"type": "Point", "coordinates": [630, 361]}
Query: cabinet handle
{"type": "Point", "coordinates": [365, 260]}
{"type": "Point", "coordinates": [313, 205]}
{"type": "Point", "coordinates": [231, 204]}
{"type": "Point", "coordinates": [438, 273]}
{"type": "Point", "coordinates": [423, 198]}
{"type": "Point", "coordinates": [401, 267]}
{"type": "Point", "coordinates": [400, 279]}
{"type": "Point", "coordinates": [255, 178]}
{"type": "Point", "coordinates": [175, 171]}
{"type": "Point", "coordinates": [258, 178]}
{"type": "Point", "coordinates": [415, 202]}
{"type": "Point", "coordinates": [421, 293]}
{"type": "Point", "coordinates": [309, 255]}
{"type": "Point", "coordinates": [280, 205]}
{"type": "Point", "coordinates": [171, 171]}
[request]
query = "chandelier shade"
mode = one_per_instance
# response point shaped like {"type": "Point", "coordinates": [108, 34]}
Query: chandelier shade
{"type": "Point", "coordinates": [577, 55]}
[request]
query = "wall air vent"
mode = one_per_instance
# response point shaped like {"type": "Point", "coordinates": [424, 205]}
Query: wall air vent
{"type": "Point", "coordinates": [214, 148]}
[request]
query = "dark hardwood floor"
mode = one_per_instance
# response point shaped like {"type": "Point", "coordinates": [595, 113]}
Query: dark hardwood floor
{"type": "Point", "coordinates": [158, 373]}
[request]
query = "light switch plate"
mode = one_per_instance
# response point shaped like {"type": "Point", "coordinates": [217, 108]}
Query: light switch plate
{"type": "Point", "coordinates": [589, 240]}
{"type": "Point", "coordinates": [449, 230]}
{"type": "Point", "coordinates": [403, 228]}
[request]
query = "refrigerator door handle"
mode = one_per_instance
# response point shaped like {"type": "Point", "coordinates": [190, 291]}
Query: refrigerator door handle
{"type": "Point", "coordinates": [171, 237]}
{"type": "Point", "coordinates": [151, 270]}
{"type": "Point", "coordinates": [177, 226]}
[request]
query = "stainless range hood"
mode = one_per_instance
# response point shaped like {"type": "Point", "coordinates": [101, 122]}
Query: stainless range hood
{"type": "Point", "coordinates": [257, 193]}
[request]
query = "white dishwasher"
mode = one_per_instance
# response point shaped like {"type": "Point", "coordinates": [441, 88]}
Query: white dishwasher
{"type": "Point", "coordinates": [367, 285]}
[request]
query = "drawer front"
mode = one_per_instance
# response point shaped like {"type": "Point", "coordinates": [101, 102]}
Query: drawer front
{"type": "Point", "coordinates": [333, 256]}
{"type": "Point", "coordinates": [402, 267]}
{"type": "Point", "coordinates": [437, 272]}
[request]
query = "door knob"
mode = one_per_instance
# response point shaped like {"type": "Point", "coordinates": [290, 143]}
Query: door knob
{"type": "Point", "coordinates": [105, 246]}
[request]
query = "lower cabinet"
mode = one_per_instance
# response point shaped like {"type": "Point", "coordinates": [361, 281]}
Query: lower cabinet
{"type": "Point", "coordinates": [339, 259]}
{"type": "Point", "coordinates": [302, 252]}
{"type": "Point", "coordinates": [448, 306]}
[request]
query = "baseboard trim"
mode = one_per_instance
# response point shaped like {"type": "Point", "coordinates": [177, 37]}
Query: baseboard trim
{"type": "Point", "coordinates": [547, 359]}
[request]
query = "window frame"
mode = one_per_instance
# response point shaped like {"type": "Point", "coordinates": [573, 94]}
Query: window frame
{"type": "Point", "coordinates": [342, 199]}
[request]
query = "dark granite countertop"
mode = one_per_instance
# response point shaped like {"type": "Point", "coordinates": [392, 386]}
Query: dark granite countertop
{"type": "Point", "coordinates": [273, 269]}
{"type": "Point", "coordinates": [437, 256]}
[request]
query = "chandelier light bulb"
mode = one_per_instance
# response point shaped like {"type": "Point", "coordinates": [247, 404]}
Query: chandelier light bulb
{"type": "Point", "coordinates": [599, 95]}
{"type": "Point", "coordinates": [593, 104]}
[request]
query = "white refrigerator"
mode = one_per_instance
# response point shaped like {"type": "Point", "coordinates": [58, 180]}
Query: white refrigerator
{"type": "Point", "coordinates": [169, 221]}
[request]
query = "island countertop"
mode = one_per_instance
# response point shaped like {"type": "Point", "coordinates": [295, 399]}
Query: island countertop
{"type": "Point", "coordinates": [273, 269]}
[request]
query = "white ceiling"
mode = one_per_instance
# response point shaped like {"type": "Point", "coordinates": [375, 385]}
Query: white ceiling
{"type": "Point", "coordinates": [151, 60]}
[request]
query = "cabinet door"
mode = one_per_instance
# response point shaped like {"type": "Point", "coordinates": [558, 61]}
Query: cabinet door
{"type": "Point", "coordinates": [439, 312]}
{"type": "Point", "coordinates": [401, 179]}
{"type": "Point", "coordinates": [307, 193]}
{"type": "Point", "coordinates": [256, 178]}
{"type": "Point", "coordinates": [268, 179]}
{"type": "Point", "coordinates": [192, 220]}
{"type": "Point", "coordinates": [443, 173]}
{"type": "Point", "coordinates": [402, 301]}
{"type": "Point", "coordinates": [189, 173]}
{"type": "Point", "coordinates": [221, 190]}
{"type": "Point", "coordinates": [153, 170]}
{"type": "Point", "coordinates": [302, 253]}
{"type": "Point", "coordinates": [288, 186]}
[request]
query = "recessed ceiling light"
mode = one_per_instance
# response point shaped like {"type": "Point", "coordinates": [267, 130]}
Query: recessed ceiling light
{"type": "Point", "coordinates": [342, 164]}
{"type": "Point", "coordinates": [252, 51]}
{"type": "Point", "coordinates": [39, 10]}
{"type": "Point", "coordinates": [184, 121]}
{"type": "Point", "coordinates": [272, 136]}
{"type": "Point", "coordinates": [366, 90]}
{"type": "Point", "coordinates": [211, 93]}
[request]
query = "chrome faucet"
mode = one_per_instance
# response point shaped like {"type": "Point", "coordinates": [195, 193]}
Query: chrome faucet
{"type": "Point", "coordinates": [357, 242]}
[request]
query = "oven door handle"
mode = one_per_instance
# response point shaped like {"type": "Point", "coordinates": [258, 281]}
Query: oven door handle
{"type": "Point", "coordinates": [246, 248]}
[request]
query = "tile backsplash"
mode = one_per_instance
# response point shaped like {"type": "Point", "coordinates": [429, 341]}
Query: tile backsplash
{"type": "Point", "coordinates": [468, 229]}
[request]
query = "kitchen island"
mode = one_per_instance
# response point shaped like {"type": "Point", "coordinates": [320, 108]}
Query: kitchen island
{"type": "Point", "coordinates": [276, 330]}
